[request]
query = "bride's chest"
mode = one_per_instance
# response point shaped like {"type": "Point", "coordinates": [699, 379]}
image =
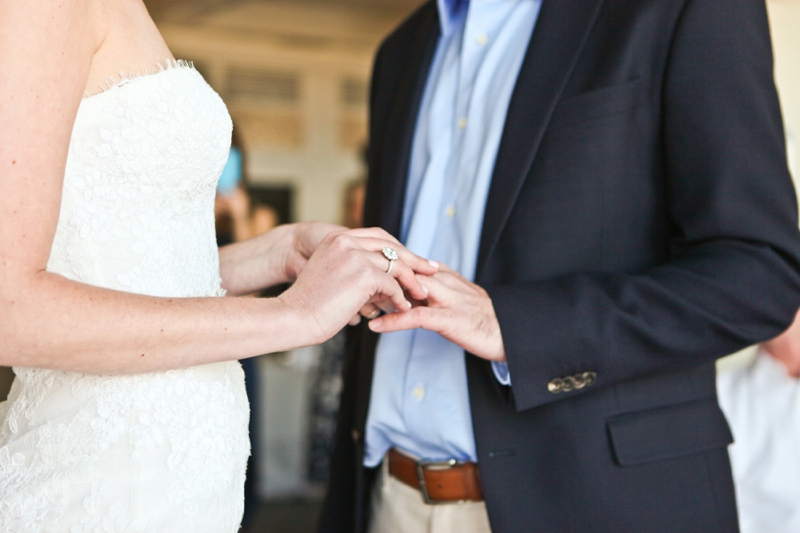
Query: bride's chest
{"type": "Point", "coordinates": [166, 134]}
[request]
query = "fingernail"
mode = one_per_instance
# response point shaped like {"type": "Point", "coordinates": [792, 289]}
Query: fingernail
{"type": "Point", "coordinates": [434, 264]}
{"type": "Point", "coordinates": [376, 323]}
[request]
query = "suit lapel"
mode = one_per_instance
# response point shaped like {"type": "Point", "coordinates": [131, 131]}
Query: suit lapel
{"type": "Point", "coordinates": [397, 144]}
{"type": "Point", "coordinates": [559, 37]}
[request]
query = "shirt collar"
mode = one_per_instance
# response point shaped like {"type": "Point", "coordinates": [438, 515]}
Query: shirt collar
{"type": "Point", "coordinates": [450, 14]}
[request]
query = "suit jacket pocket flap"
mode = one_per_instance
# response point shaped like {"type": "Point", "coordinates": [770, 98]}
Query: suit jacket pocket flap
{"type": "Point", "coordinates": [596, 104]}
{"type": "Point", "coordinates": [669, 432]}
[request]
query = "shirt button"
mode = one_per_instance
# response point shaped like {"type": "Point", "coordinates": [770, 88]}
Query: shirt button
{"type": "Point", "coordinates": [483, 39]}
{"type": "Point", "coordinates": [418, 392]}
{"type": "Point", "coordinates": [450, 211]}
{"type": "Point", "coordinates": [462, 123]}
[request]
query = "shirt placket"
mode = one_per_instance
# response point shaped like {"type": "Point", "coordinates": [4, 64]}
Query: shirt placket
{"type": "Point", "coordinates": [431, 355]}
{"type": "Point", "coordinates": [460, 176]}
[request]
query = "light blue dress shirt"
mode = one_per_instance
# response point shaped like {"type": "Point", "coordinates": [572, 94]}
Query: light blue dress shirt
{"type": "Point", "coordinates": [419, 400]}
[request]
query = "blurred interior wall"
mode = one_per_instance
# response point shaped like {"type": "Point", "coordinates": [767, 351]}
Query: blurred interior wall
{"type": "Point", "coordinates": [785, 24]}
{"type": "Point", "coordinates": [301, 110]}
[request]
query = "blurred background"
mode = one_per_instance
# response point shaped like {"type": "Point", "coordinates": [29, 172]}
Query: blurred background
{"type": "Point", "coordinates": [295, 76]}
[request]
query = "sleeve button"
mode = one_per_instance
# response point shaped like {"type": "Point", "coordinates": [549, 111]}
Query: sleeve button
{"type": "Point", "coordinates": [556, 385]}
{"type": "Point", "coordinates": [590, 378]}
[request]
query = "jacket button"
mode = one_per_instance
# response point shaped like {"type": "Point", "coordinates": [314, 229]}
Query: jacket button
{"type": "Point", "coordinates": [556, 385]}
{"type": "Point", "coordinates": [580, 381]}
{"type": "Point", "coordinates": [590, 378]}
{"type": "Point", "coordinates": [356, 435]}
{"type": "Point", "coordinates": [569, 384]}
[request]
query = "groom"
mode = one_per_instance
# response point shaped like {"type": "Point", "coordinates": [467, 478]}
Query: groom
{"type": "Point", "coordinates": [611, 175]}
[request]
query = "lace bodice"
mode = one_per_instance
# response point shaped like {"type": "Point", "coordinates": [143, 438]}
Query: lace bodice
{"type": "Point", "coordinates": [158, 452]}
{"type": "Point", "coordinates": [137, 208]}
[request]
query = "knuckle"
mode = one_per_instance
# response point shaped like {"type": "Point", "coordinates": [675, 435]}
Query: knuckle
{"type": "Point", "coordinates": [342, 240]}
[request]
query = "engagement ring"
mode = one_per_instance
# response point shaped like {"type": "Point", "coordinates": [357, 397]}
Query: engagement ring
{"type": "Point", "coordinates": [391, 255]}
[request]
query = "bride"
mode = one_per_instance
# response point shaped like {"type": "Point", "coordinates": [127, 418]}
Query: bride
{"type": "Point", "coordinates": [128, 412]}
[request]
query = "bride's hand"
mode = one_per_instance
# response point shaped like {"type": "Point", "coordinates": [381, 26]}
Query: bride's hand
{"type": "Point", "coordinates": [306, 237]}
{"type": "Point", "coordinates": [347, 271]}
{"type": "Point", "coordinates": [272, 258]}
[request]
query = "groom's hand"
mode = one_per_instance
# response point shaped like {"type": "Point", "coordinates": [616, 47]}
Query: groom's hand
{"type": "Point", "coordinates": [458, 310]}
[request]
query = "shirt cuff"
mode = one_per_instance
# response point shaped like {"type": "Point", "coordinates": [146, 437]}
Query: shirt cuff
{"type": "Point", "coordinates": [501, 373]}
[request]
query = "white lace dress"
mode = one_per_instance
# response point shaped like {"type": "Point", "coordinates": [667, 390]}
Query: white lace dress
{"type": "Point", "coordinates": [165, 452]}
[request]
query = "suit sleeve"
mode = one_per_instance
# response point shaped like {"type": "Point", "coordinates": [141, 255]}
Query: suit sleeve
{"type": "Point", "coordinates": [733, 275]}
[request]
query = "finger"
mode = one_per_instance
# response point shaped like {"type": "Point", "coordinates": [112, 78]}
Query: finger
{"type": "Point", "coordinates": [452, 280]}
{"type": "Point", "coordinates": [445, 268]}
{"type": "Point", "coordinates": [419, 264]}
{"type": "Point", "coordinates": [370, 311]}
{"type": "Point", "coordinates": [388, 288]}
{"type": "Point", "coordinates": [439, 293]}
{"type": "Point", "coordinates": [385, 305]}
{"type": "Point", "coordinates": [356, 320]}
{"type": "Point", "coordinates": [375, 233]}
{"type": "Point", "coordinates": [404, 275]}
{"type": "Point", "coordinates": [418, 317]}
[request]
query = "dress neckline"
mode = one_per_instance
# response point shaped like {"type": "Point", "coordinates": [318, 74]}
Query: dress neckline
{"type": "Point", "coordinates": [123, 80]}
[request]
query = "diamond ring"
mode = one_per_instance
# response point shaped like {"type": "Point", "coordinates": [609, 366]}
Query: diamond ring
{"type": "Point", "coordinates": [391, 255]}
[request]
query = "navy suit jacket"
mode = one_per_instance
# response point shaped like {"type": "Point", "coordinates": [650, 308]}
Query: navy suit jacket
{"type": "Point", "coordinates": [641, 223]}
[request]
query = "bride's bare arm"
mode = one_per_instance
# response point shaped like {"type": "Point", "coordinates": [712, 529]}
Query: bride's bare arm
{"type": "Point", "coordinates": [46, 52]}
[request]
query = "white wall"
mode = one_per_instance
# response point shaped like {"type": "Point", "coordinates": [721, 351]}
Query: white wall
{"type": "Point", "coordinates": [319, 165]}
{"type": "Point", "coordinates": [785, 23]}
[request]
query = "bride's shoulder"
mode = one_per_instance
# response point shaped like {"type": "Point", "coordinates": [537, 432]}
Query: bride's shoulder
{"type": "Point", "coordinates": [31, 30]}
{"type": "Point", "coordinates": [24, 16]}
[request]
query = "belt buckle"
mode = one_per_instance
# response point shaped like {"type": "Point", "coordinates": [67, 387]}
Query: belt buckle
{"type": "Point", "coordinates": [422, 466]}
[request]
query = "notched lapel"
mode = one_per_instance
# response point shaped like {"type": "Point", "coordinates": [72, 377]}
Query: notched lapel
{"type": "Point", "coordinates": [397, 143]}
{"type": "Point", "coordinates": [557, 41]}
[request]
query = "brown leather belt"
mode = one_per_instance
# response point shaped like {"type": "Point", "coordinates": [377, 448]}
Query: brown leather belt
{"type": "Point", "coordinates": [439, 482]}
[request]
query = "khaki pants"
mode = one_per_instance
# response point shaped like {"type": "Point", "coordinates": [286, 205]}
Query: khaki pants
{"type": "Point", "coordinates": [397, 508]}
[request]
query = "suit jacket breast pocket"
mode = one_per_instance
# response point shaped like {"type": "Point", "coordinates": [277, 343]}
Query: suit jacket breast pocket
{"type": "Point", "coordinates": [596, 104]}
{"type": "Point", "coordinates": [669, 432]}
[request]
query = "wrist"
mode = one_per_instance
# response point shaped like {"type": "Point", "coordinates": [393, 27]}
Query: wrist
{"type": "Point", "coordinates": [300, 314]}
